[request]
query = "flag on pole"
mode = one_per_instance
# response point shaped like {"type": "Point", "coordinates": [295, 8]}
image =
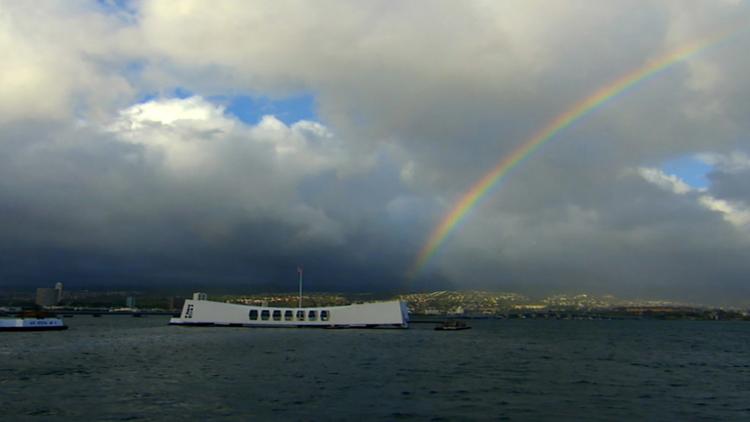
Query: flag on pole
{"type": "Point", "coordinates": [299, 270]}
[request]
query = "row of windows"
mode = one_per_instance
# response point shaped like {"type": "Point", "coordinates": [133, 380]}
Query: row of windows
{"type": "Point", "coordinates": [266, 314]}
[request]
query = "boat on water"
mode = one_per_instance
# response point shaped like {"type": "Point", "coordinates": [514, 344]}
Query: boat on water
{"type": "Point", "coordinates": [202, 312]}
{"type": "Point", "coordinates": [452, 325]}
{"type": "Point", "coordinates": [32, 321]}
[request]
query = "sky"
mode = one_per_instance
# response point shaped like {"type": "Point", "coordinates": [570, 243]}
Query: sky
{"type": "Point", "coordinates": [188, 144]}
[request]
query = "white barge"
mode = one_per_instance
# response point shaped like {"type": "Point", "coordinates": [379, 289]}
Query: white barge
{"type": "Point", "coordinates": [32, 324]}
{"type": "Point", "coordinates": [201, 312]}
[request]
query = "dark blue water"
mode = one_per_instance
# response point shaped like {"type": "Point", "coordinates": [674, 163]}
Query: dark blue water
{"type": "Point", "coordinates": [121, 368]}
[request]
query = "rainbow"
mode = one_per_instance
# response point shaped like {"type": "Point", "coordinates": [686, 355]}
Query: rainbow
{"type": "Point", "coordinates": [574, 113]}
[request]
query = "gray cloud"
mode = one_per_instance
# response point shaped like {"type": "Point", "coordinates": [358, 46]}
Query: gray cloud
{"type": "Point", "coordinates": [416, 103]}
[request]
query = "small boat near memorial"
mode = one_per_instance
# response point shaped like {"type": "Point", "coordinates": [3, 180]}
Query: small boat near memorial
{"type": "Point", "coordinates": [452, 325]}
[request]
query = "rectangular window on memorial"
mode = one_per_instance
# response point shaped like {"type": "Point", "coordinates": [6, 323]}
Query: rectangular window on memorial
{"type": "Point", "coordinates": [324, 315]}
{"type": "Point", "coordinates": [287, 315]}
{"type": "Point", "coordinates": [277, 315]}
{"type": "Point", "coordinates": [253, 314]}
{"type": "Point", "coordinates": [300, 315]}
{"type": "Point", "coordinates": [312, 315]}
{"type": "Point", "coordinates": [264, 315]}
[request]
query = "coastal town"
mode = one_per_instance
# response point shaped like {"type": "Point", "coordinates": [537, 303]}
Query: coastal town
{"type": "Point", "coordinates": [463, 304]}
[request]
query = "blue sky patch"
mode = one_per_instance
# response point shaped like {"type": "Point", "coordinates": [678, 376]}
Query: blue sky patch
{"type": "Point", "coordinates": [147, 97]}
{"type": "Point", "coordinates": [126, 9]}
{"type": "Point", "coordinates": [182, 93]}
{"type": "Point", "coordinates": [289, 110]}
{"type": "Point", "coordinates": [690, 169]}
{"type": "Point", "coordinates": [179, 92]}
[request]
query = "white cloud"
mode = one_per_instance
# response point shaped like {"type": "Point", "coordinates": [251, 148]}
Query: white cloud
{"type": "Point", "coordinates": [193, 134]}
{"type": "Point", "coordinates": [181, 133]}
{"type": "Point", "coordinates": [736, 213]}
{"type": "Point", "coordinates": [734, 162]}
{"type": "Point", "coordinates": [665, 181]}
{"type": "Point", "coordinates": [194, 141]}
{"type": "Point", "coordinates": [60, 60]}
{"type": "Point", "coordinates": [194, 111]}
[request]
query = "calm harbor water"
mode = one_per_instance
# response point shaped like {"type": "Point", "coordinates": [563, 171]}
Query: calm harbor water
{"type": "Point", "coordinates": [121, 368]}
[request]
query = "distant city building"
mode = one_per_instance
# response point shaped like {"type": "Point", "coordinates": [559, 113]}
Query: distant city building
{"type": "Point", "coordinates": [59, 289]}
{"type": "Point", "coordinates": [458, 310]}
{"type": "Point", "coordinates": [46, 296]}
{"type": "Point", "coordinates": [200, 296]}
{"type": "Point", "coordinates": [130, 302]}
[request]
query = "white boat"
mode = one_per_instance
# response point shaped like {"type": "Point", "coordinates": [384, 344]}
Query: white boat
{"type": "Point", "coordinates": [32, 324]}
{"type": "Point", "coordinates": [202, 312]}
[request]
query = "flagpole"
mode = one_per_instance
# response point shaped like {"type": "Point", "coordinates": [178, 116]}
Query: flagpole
{"type": "Point", "coordinates": [299, 270]}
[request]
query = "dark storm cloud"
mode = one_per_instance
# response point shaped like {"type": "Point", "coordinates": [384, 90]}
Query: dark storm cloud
{"type": "Point", "coordinates": [650, 244]}
{"type": "Point", "coordinates": [729, 177]}
{"type": "Point", "coordinates": [136, 204]}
